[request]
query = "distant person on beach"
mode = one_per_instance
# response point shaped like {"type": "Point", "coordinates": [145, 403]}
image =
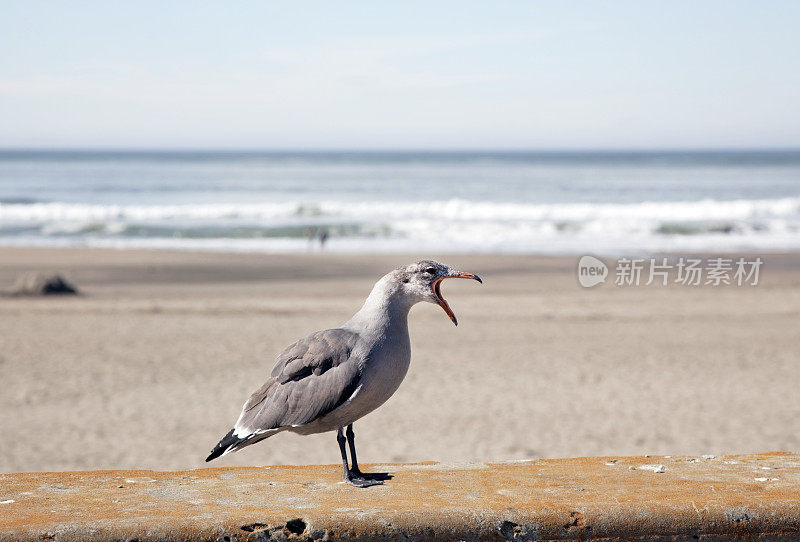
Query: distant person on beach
{"type": "Point", "coordinates": [322, 235]}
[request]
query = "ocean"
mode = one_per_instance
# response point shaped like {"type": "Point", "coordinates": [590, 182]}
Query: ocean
{"type": "Point", "coordinates": [414, 202]}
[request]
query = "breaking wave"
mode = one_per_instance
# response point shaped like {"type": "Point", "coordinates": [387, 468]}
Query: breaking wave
{"type": "Point", "coordinates": [444, 225]}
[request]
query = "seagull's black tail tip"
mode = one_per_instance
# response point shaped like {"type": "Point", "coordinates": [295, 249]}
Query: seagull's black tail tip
{"type": "Point", "coordinates": [227, 442]}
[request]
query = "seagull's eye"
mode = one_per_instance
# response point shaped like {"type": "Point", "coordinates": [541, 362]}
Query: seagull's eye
{"type": "Point", "coordinates": [431, 270]}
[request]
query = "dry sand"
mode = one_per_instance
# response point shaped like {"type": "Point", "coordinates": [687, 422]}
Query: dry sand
{"type": "Point", "coordinates": [151, 365]}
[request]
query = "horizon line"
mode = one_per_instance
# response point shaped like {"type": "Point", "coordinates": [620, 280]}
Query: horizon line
{"type": "Point", "coordinates": [400, 150]}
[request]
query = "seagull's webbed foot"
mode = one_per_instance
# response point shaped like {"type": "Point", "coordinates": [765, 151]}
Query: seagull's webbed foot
{"type": "Point", "coordinates": [377, 476]}
{"type": "Point", "coordinates": [362, 480]}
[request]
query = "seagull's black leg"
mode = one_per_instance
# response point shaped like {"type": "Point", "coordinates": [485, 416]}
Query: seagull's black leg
{"type": "Point", "coordinates": [354, 478]}
{"type": "Point", "coordinates": [351, 440]}
{"type": "Point", "coordinates": [341, 440]}
{"type": "Point", "coordinates": [379, 476]}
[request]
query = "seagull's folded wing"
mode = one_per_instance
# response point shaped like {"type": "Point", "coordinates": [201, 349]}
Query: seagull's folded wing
{"type": "Point", "coordinates": [312, 377]}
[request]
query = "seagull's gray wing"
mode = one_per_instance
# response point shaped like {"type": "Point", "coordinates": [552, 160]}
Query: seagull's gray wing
{"type": "Point", "coordinates": [312, 377]}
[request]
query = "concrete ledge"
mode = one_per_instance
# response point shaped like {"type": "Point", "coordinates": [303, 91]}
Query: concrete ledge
{"type": "Point", "coordinates": [645, 498]}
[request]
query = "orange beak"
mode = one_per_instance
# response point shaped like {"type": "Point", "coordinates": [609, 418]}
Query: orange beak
{"type": "Point", "coordinates": [437, 291]}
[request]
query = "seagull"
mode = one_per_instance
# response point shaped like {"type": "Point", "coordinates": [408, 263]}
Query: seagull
{"type": "Point", "coordinates": [329, 379]}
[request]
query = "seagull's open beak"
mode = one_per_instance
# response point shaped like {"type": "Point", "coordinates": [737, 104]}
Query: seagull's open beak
{"type": "Point", "coordinates": [437, 291]}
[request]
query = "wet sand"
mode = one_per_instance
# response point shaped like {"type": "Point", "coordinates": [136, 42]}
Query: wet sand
{"type": "Point", "coordinates": [150, 366]}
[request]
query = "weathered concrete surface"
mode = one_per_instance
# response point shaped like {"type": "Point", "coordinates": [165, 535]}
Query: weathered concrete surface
{"type": "Point", "coordinates": [647, 498]}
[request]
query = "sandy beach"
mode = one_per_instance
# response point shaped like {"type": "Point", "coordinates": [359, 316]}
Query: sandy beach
{"type": "Point", "coordinates": [149, 367]}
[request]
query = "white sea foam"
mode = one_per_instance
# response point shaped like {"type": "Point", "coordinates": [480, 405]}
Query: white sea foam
{"type": "Point", "coordinates": [446, 225]}
{"type": "Point", "coordinates": [454, 209]}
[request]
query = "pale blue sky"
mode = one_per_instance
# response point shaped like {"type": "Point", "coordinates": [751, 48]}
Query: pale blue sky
{"type": "Point", "coordinates": [364, 75]}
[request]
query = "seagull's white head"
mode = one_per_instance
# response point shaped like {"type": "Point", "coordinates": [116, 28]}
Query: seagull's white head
{"type": "Point", "coordinates": [421, 281]}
